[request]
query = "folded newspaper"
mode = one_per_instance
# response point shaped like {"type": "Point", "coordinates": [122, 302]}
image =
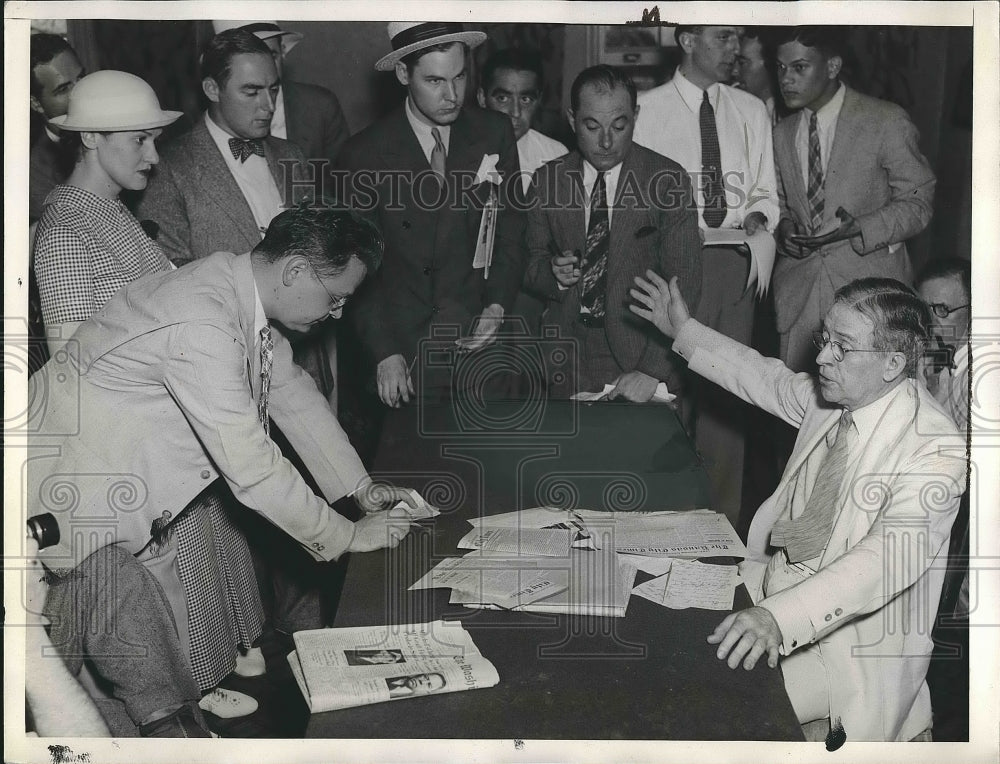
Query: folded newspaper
{"type": "Point", "coordinates": [343, 668]}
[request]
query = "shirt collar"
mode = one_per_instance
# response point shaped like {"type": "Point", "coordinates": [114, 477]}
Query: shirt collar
{"type": "Point", "coordinates": [423, 130]}
{"type": "Point", "coordinates": [610, 177]}
{"type": "Point", "coordinates": [691, 94]}
{"type": "Point", "coordinates": [220, 136]}
{"type": "Point", "coordinates": [866, 418]}
{"type": "Point", "coordinates": [828, 112]}
{"type": "Point", "coordinates": [54, 137]}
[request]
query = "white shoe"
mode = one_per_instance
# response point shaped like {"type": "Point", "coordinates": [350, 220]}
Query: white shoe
{"type": "Point", "coordinates": [228, 704]}
{"type": "Point", "coordinates": [251, 664]}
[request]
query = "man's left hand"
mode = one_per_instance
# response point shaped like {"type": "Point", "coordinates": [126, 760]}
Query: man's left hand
{"type": "Point", "coordinates": [486, 328]}
{"type": "Point", "coordinates": [755, 221]}
{"type": "Point", "coordinates": [848, 228]}
{"type": "Point", "coordinates": [634, 386]}
{"type": "Point", "coordinates": [745, 636]}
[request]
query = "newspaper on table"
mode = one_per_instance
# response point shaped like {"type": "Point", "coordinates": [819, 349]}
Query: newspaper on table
{"type": "Point", "coordinates": [687, 534]}
{"type": "Point", "coordinates": [343, 668]}
{"type": "Point", "coordinates": [584, 582]}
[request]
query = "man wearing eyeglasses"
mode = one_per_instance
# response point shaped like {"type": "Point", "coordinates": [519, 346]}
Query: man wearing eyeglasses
{"type": "Point", "coordinates": [946, 286]}
{"type": "Point", "coordinates": [847, 557]}
{"type": "Point", "coordinates": [172, 386]}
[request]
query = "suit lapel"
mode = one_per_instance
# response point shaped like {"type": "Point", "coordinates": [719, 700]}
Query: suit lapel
{"type": "Point", "coordinates": [843, 140]}
{"type": "Point", "coordinates": [787, 147]}
{"type": "Point", "coordinates": [247, 309]}
{"type": "Point", "coordinates": [575, 229]}
{"type": "Point", "coordinates": [213, 175]}
{"type": "Point", "coordinates": [857, 496]}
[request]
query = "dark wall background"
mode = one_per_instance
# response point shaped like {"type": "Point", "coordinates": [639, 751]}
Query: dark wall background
{"type": "Point", "coordinates": [926, 70]}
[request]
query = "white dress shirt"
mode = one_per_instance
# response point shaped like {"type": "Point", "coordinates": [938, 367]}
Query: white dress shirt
{"type": "Point", "coordinates": [252, 176]}
{"type": "Point", "coordinates": [610, 185]}
{"type": "Point", "coordinates": [534, 150]}
{"type": "Point", "coordinates": [669, 124]}
{"type": "Point", "coordinates": [423, 132]}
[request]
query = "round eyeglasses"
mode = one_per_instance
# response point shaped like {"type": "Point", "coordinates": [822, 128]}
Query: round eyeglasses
{"type": "Point", "coordinates": [941, 310]}
{"type": "Point", "coordinates": [336, 303]}
{"type": "Point", "coordinates": [821, 340]}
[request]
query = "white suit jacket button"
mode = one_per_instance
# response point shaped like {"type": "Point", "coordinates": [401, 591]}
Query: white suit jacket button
{"type": "Point", "coordinates": [828, 617]}
{"type": "Point", "coordinates": [838, 611]}
{"type": "Point", "coordinates": [205, 474]}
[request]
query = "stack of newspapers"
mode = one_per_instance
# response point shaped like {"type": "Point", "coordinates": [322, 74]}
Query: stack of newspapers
{"type": "Point", "coordinates": [343, 668]}
{"type": "Point", "coordinates": [584, 562]}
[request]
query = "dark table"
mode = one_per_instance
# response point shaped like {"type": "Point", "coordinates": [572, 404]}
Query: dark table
{"type": "Point", "coordinates": [648, 676]}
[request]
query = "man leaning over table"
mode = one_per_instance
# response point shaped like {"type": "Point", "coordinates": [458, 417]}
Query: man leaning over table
{"type": "Point", "coordinates": [170, 387]}
{"type": "Point", "coordinates": [847, 557]}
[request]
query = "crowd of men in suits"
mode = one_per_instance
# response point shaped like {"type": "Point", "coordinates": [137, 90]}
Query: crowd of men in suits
{"type": "Point", "coordinates": [526, 231]}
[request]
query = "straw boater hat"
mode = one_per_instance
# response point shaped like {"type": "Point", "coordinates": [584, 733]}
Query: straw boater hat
{"type": "Point", "coordinates": [110, 101]}
{"type": "Point", "coordinates": [408, 36]}
{"type": "Point", "coordinates": [264, 30]}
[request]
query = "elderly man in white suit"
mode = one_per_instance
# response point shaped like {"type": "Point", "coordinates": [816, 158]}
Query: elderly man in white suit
{"type": "Point", "coordinates": [847, 556]}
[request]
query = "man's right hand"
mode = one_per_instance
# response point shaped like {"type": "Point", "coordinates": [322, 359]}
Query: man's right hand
{"type": "Point", "coordinates": [783, 237]}
{"type": "Point", "coordinates": [393, 378]}
{"type": "Point", "coordinates": [378, 531]}
{"type": "Point", "coordinates": [665, 307]}
{"type": "Point", "coordinates": [566, 269]}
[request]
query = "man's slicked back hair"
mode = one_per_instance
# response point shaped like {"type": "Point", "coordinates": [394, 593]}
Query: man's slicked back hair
{"type": "Point", "coordinates": [900, 318]}
{"type": "Point", "coordinates": [328, 237]}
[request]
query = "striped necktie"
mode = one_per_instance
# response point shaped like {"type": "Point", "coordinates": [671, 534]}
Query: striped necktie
{"type": "Point", "coordinates": [815, 190]}
{"type": "Point", "coordinates": [438, 154]}
{"type": "Point", "coordinates": [266, 361]}
{"type": "Point", "coordinates": [593, 280]}
{"type": "Point", "coordinates": [806, 536]}
{"type": "Point", "coordinates": [711, 165]}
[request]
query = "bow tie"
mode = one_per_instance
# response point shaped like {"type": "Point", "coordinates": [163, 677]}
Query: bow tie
{"type": "Point", "coordinates": [243, 149]}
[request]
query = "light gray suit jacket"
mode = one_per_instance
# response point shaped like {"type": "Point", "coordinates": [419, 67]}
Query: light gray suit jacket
{"type": "Point", "coordinates": [196, 202]}
{"type": "Point", "coordinates": [156, 397]}
{"type": "Point", "coordinates": [876, 173]}
{"type": "Point", "coordinates": [870, 606]}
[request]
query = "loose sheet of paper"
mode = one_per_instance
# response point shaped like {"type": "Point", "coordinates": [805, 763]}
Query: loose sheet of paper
{"type": "Point", "coordinates": [660, 395]}
{"type": "Point", "coordinates": [692, 584]}
{"type": "Point", "coordinates": [762, 250]}
{"type": "Point", "coordinates": [421, 511]}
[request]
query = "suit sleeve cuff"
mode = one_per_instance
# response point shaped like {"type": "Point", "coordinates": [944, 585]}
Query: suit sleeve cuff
{"type": "Point", "coordinates": [686, 341]}
{"type": "Point", "coordinates": [792, 617]}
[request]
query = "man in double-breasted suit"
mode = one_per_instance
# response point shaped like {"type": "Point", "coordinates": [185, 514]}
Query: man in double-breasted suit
{"type": "Point", "coordinates": [852, 183]}
{"type": "Point", "coordinates": [170, 386]}
{"type": "Point", "coordinates": [847, 557]}
{"type": "Point", "coordinates": [651, 224]}
{"type": "Point", "coordinates": [424, 174]}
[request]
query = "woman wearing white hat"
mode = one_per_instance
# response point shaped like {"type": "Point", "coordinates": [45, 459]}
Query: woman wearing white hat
{"type": "Point", "coordinates": [87, 246]}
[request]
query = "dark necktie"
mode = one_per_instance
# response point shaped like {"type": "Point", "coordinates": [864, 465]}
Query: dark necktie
{"type": "Point", "coordinates": [711, 165]}
{"type": "Point", "coordinates": [242, 149]}
{"type": "Point", "coordinates": [593, 279]}
{"type": "Point", "coordinates": [438, 154]}
{"type": "Point", "coordinates": [266, 360]}
{"type": "Point", "coordinates": [806, 536]}
{"type": "Point", "coordinates": [815, 190]}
